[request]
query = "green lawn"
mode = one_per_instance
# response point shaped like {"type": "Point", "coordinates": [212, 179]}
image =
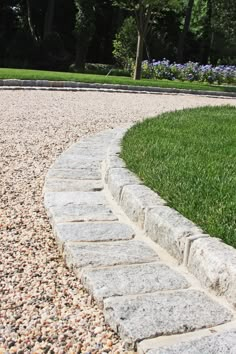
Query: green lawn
{"type": "Point", "coordinates": [189, 158]}
{"type": "Point", "coordinates": [91, 78]}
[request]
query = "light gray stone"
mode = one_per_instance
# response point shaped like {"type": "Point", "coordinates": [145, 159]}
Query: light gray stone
{"type": "Point", "coordinates": [80, 212]}
{"type": "Point", "coordinates": [108, 254]}
{"type": "Point", "coordinates": [117, 178]}
{"type": "Point", "coordinates": [71, 185]}
{"type": "Point", "coordinates": [223, 343]}
{"type": "Point", "coordinates": [131, 280]}
{"type": "Point", "coordinates": [42, 83]}
{"type": "Point", "coordinates": [82, 173]}
{"type": "Point", "coordinates": [114, 149]}
{"type": "Point", "coordinates": [77, 162]}
{"type": "Point", "coordinates": [214, 264]}
{"type": "Point", "coordinates": [163, 313]}
{"type": "Point", "coordinates": [12, 82]}
{"type": "Point", "coordinates": [136, 200]}
{"type": "Point", "coordinates": [114, 162]}
{"type": "Point", "coordinates": [56, 199]}
{"type": "Point", "coordinates": [85, 151]}
{"type": "Point", "coordinates": [169, 229]}
{"type": "Point", "coordinates": [103, 138]}
{"type": "Point", "coordinates": [93, 232]}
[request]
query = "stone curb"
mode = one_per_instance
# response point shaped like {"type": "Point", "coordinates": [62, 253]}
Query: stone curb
{"type": "Point", "coordinates": [72, 85]}
{"type": "Point", "coordinates": [208, 258]}
{"type": "Point", "coordinates": [144, 294]}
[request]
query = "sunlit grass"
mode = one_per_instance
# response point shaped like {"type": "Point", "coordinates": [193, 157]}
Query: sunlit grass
{"type": "Point", "coordinates": [189, 158]}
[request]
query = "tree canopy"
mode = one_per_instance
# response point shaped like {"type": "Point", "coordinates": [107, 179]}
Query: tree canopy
{"type": "Point", "coordinates": [49, 34]}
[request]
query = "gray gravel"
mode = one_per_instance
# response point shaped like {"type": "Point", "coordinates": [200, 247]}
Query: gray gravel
{"type": "Point", "coordinates": [44, 308]}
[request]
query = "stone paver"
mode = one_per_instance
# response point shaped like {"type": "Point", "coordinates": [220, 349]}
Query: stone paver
{"type": "Point", "coordinates": [108, 254]}
{"type": "Point", "coordinates": [81, 212]}
{"type": "Point", "coordinates": [163, 313]}
{"type": "Point", "coordinates": [136, 199]}
{"type": "Point", "coordinates": [131, 280]}
{"type": "Point", "coordinates": [223, 343]}
{"type": "Point", "coordinates": [93, 232]}
{"type": "Point", "coordinates": [214, 264]}
{"type": "Point", "coordinates": [78, 174]}
{"type": "Point", "coordinates": [71, 185]}
{"type": "Point", "coordinates": [170, 229]}
{"type": "Point", "coordinates": [77, 162]}
{"type": "Point", "coordinates": [117, 178]}
{"type": "Point", "coordinates": [56, 199]}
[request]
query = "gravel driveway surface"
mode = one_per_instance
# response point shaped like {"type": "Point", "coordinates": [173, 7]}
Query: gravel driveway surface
{"type": "Point", "coordinates": [44, 308]}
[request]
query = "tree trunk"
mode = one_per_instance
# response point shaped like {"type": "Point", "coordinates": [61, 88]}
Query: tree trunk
{"type": "Point", "coordinates": [139, 57]}
{"type": "Point", "coordinates": [81, 53]}
{"type": "Point", "coordinates": [29, 20]}
{"type": "Point", "coordinates": [142, 19]}
{"type": "Point", "coordinates": [188, 15]}
{"type": "Point", "coordinates": [48, 22]}
{"type": "Point", "coordinates": [207, 36]}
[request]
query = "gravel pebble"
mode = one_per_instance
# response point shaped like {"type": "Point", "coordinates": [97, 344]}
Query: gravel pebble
{"type": "Point", "coordinates": [44, 308]}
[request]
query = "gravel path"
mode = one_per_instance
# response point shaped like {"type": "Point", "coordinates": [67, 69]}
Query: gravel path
{"type": "Point", "coordinates": [44, 309]}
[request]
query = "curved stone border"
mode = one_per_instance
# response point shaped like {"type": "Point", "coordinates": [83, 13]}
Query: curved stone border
{"type": "Point", "coordinates": [143, 292]}
{"type": "Point", "coordinates": [208, 258]}
{"type": "Point", "coordinates": [73, 85]}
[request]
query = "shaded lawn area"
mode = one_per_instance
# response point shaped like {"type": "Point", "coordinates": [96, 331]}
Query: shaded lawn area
{"type": "Point", "coordinates": [102, 79]}
{"type": "Point", "coordinates": [189, 158]}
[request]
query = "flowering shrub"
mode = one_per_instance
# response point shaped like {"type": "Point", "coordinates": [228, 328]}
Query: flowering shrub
{"type": "Point", "coordinates": [189, 72]}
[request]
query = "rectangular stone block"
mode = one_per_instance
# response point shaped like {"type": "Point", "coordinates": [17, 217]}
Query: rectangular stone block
{"type": "Point", "coordinates": [163, 313]}
{"type": "Point", "coordinates": [12, 82]}
{"type": "Point", "coordinates": [71, 185]}
{"type": "Point", "coordinates": [80, 212]}
{"type": "Point", "coordinates": [81, 173]}
{"type": "Point", "coordinates": [114, 162]}
{"type": "Point", "coordinates": [169, 229]}
{"type": "Point", "coordinates": [108, 254]}
{"type": "Point", "coordinates": [117, 178]}
{"type": "Point", "coordinates": [93, 232]}
{"type": "Point", "coordinates": [131, 280]}
{"type": "Point", "coordinates": [97, 152]}
{"type": "Point", "coordinates": [42, 83]}
{"type": "Point", "coordinates": [102, 138]}
{"type": "Point", "coordinates": [136, 200]}
{"type": "Point", "coordinates": [214, 264]}
{"type": "Point", "coordinates": [56, 199]}
{"type": "Point", "coordinates": [77, 162]}
{"type": "Point", "coordinates": [218, 343]}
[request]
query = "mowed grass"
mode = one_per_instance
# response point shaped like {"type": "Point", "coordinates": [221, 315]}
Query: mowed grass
{"type": "Point", "coordinates": [102, 79]}
{"type": "Point", "coordinates": [189, 158]}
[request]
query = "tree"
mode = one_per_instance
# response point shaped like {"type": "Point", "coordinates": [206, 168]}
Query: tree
{"type": "Point", "coordinates": [214, 26]}
{"type": "Point", "coordinates": [48, 21]}
{"type": "Point", "coordinates": [125, 43]}
{"type": "Point", "coordinates": [84, 29]}
{"type": "Point", "coordinates": [144, 11]}
{"type": "Point", "coordinates": [185, 30]}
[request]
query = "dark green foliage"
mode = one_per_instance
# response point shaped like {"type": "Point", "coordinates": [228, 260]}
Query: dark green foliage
{"type": "Point", "coordinates": [74, 31]}
{"type": "Point", "coordinates": [84, 30]}
{"type": "Point", "coordinates": [125, 43]}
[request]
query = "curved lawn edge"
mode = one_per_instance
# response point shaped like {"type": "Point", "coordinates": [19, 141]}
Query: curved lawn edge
{"type": "Point", "coordinates": [178, 159]}
{"type": "Point", "coordinates": [117, 85]}
{"type": "Point", "coordinates": [210, 260]}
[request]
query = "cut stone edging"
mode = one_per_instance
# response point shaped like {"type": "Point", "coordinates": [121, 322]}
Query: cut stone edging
{"type": "Point", "coordinates": [142, 291]}
{"type": "Point", "coordinates": [208, 258]}
{"type": "Point", "coordinates": [73, 85]}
